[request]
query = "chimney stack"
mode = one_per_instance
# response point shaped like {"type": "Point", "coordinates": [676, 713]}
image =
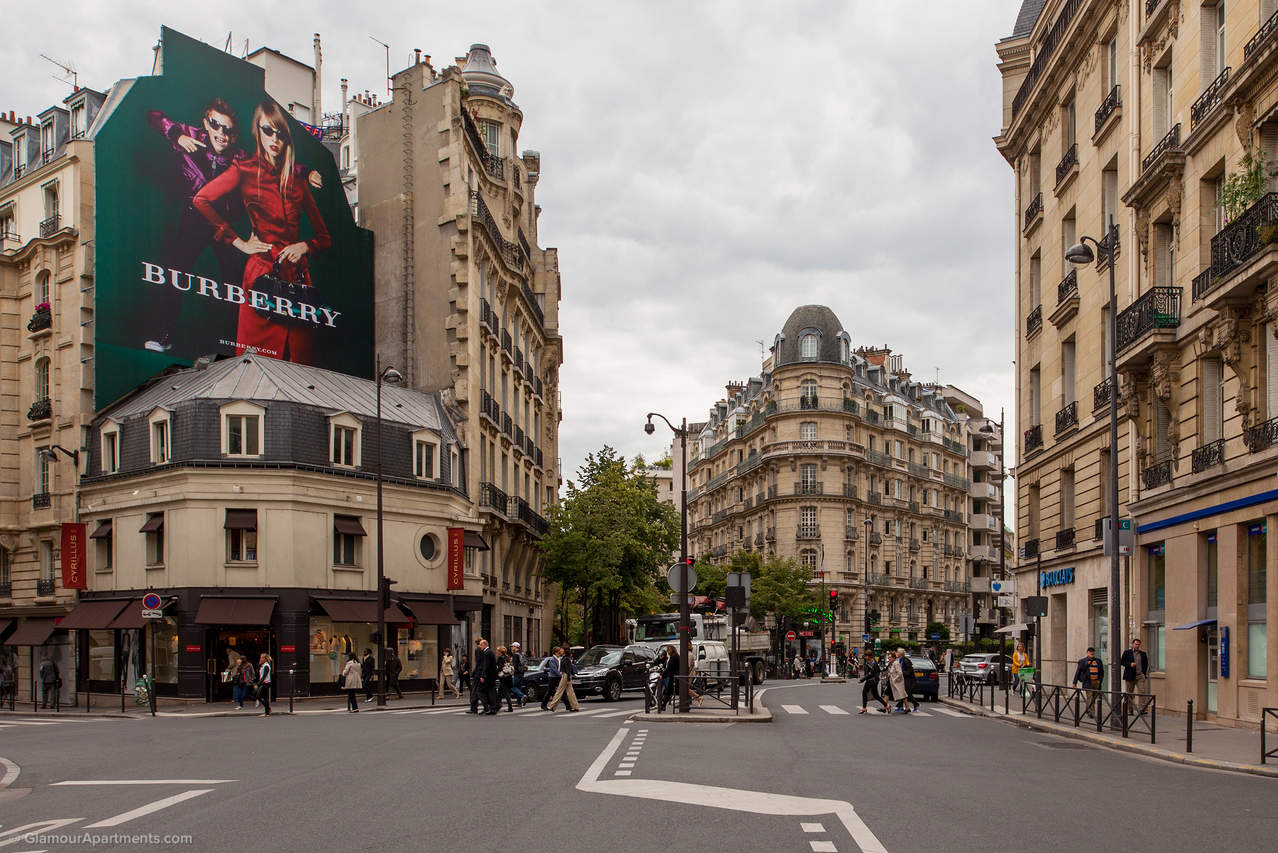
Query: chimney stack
{"type": "Point", "coordinates": [316, 83]}
{"type": "Point", "coordinates": [417, 56]}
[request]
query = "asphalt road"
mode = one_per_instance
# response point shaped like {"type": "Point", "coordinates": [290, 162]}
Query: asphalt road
{"type": "Point", "coordinates": [819, 778]}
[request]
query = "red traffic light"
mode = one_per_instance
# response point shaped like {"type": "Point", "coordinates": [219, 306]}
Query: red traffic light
{"type": "Point", "coordinates": [834, 598]}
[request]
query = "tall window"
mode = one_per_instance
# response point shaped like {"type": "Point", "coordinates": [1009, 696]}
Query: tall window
{"type": "Point", "coordinates": [808, 521]}
{"type": "Point", "coordinates": [808, 430]}
{"type": "Point", "coordinates": [241, 535]}
{"type": "Point", "coordinates": [343, 445]}
{"type": "Point", "coordinates": [1111, 64]}
{"type": "Point", "coordinates": [1036, 397]}
{"type": "Point", "coordinates": [1109, 197]}
{"type": "Point", "coordinates": [808, 475]}
{"type": "Point", "coordinates": [46, 560]}
{"type": "Point", "coordinates": [46, 141]}
{"type": "Point", "coordinates": [1257, 598]}
{"type": "Point", "coordinates": [42, 288]}
{"type": "Point", "coordinates": [41, 470]}
{"type": "Point", "coordinates": [1069, 120]}
{"type": "Point", "coordinates": [425, 456]}
{"type": "Point", "coordinates": [78, 127]}
{"type": "Point", "coordinates": [1212, 400]}
{"type": "Point", "coordinates": [1213, 41]}
{"type": "Point", "coordinates": [1164, 255]}
{"type": "Point", "coordinates": [810, 345]}
{"type": "Point", "coordinates": [110, 451]}
{"type": "Point", "coordinates": [1163, 92]}
{"type": "Point", "coordinates": [242, 435]}
{"type": "Point", "coordinates": [808, 559]}
{"type": "Point", "coordinates": [50, 199]}
{"type": "Point", "coordinates": [6, 572]}
{"type": "Point", "coordinates": [160, 451]}
{"type": "Point", "coordinates": [42, 378]}
{"type": "Point", "coordinates": [1067, 372]}
{"type": "Point", "coordinates": [1213, 575]}
{"type": "Point", "coordinates": [154, 530]}
{"type": "Point", "coordinates": [1067, 498]}
{"type": "Point", "coordinates": [808, 389]}
{"type": "Point", "coordinates": [492, 136]}
{"type": "Point", "coordinates": [347, 531]}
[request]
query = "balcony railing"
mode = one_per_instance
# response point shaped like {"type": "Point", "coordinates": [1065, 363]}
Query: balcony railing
{"type": "Point", "coordinates": [876, 538]}
{"type": "Point", "coordinates": [508, 250]}
{"type": "Point", "coordinates": [1043, 55]}
{"type": "Point", "coordinates": [805, 531]}
{"type": "Point", "coordinates": [49, 226]}
{"type": "Point", "coordinates": [1158, 308]}
{"type": "Point", "coordinates": [1034, 209]}
{"type": "Point", "coordinates": [1034, 321]}
{"type": "Point", "coordinates": [493, 164]}
{"type": "Point", "coordinates": [1209, 455]}
{"type": "Point", "coordinates": [1261, 436]}
{"type": "Point", "coordinates": [1107, 107]}
{"type": "Point", "coordinates": [6, 589]}
{"type": "Point", "coordinates": [1158, 474]}
{"type": "Point", "coordinates": [771, 535]}
{"type": "Point", "coordinates": [1266, 32]}
{"type": "Point", "coordinates": [915, 545]}
{"type": "Point", "coordinates": [41, 500]}
{"type": "Point", "coordinates": [507, 426]}
{"type": "Point", "coordinates": [40, 320]}
{"type": "Point", "coordinates": [494, 498]}
{"type": "Point", "coordinates": [809, 403]}
{"type": "Point", "coordinates": [1067, 418]}
{"type": "Point", "coordinates": [807, 488]}
{"type": "Point", "coordinates": [1237, 242]}
{"type": "Point", "coordinates": [40, 410]}
{"type": "Point", "coordinates": [1100, 394]}
{"type": "Point", "coordinates": [1068, 287]}
{"type": "Point", "coordinates": [1065, 538]}
{"type": "Point", "coordinates": [851, 533]}
{"type": "Point", "coordinates": [1034, 438]}
{"type": "Point", "coordinates": [1068, 162]}
{"type": "Point", "coordinates": [45, 586]}
{"type": "Point", "coordinates": [1208, 100]}
{"type": "Point", "coordinates": [1031, 548]}
{"type": "Point", "coordinates": [1150, 6]}
{"type": "Point", "coordinates": [1169, 142]}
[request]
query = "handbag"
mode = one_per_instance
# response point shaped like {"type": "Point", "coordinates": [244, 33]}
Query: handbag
{"type": "Point", "coordinates": [276, 287]}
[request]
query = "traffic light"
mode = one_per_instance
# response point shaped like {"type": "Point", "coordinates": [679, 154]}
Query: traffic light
{"type": "Point", "coordinates": [874, 617]}
{"type": "Point", "coordinates": [834, 599]}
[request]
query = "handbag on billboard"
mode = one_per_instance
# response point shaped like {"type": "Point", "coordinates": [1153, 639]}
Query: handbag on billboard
{"type": "Point", "coordinates": [275, 286]}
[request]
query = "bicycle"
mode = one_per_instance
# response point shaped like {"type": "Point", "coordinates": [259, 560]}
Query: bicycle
{"type": "Point", "coordinates": [1026, 687]}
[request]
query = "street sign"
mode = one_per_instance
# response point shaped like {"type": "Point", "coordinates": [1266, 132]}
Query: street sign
{"type": "Point", "coordinates": [674, 599]}
{"type": "Point", "coordinates": [865, 638]}
{"type": "Point", "coordinates": [672, 575]}
{"type": "Point", "coordinates": [151, 606]}
{"type": "Point", "coordinates": [1125, 537]}
{"type": "Point", "coordinates": [789, 636]}
{"type": "Point", "coordinates": [1007, 601]}
{"type": "Point", "coordinates": [936, 636]}
{"type": "Point", "coordinates": [1035, 605]}
{"type": "Point", "coordinates": [1003, 587]}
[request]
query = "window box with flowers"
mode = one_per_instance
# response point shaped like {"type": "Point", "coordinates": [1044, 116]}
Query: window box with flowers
{"type": "Point", "coordinates": [42, 318]}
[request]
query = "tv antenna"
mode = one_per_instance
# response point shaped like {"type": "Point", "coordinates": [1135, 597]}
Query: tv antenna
{"type": "Point", "coordinates": [760, 343]}
{"type": "Point", "coordinates": [68, 71]}
{"type": "Point", "coordinates": [388, 77]}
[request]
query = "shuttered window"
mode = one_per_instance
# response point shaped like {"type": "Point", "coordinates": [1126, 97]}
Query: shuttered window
{"type": "Point", "coordinates": [1067, 498]}
{"type": "Point", "coordinates": [1212, 400]}
{"type": "Point", "coordinates": [1269, 142]}
{"type": "Point", "coordinates": [1162, 423]}
{"type": "Point", "coordinates": [1271, 372]}
{"type": "Point", "coordinates": [1162, 255]}
{"type": "Point", "coordinates": [1067, 372]}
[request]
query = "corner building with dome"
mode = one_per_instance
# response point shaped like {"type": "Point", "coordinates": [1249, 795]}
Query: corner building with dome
{"type": "Point", "coordinates": [885, 487]}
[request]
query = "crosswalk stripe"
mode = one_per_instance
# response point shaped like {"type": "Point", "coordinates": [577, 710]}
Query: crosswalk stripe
{"type": "Point", "coordinates": [833, 709]}
{"type": "Point", "coordinates": [951, 713]}
{"type": "Point", "coordinates": [149, 808]}
{"type": "Point", "coordinates": [33, 722]}
{"type": "Point", "coordinates": [615, 714]}
{"type": "Point", "coordinates": [793, 709]}
{"type": "Point", "coordinates": [920, 714]}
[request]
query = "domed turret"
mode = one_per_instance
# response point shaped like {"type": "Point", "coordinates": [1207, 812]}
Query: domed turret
{"type": "Point", "coordinates": [481, 74]}
{"type": "Point", "coordinates": [822, 331]}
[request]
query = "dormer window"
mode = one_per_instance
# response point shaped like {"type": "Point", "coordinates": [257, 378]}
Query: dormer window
{"type": "Point", "coordinates": [46, 141]}
{"type": "Point", "coordinates": [344, 440]}
{"type": "Point", "coordinates": [161, 422]}
{"type": "Point", "coordinates": [242, 430]}
{"type": "Point", "coordinates": [78, 126]}
{"type": "Point", "coordinates": [110, 448]}
{"type": "Point", "coordinates": [810, 346]}
{"type": "Point", "coordinates": [426, 455]}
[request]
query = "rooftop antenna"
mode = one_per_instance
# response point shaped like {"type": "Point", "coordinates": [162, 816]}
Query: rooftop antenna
{"type": "Point", "coordinates": [938, 376]}
{"type": "Point", "coordinates": [227, 47]}
{"type": "Point", "coordinates": [760, 343]}
{"type": "Point", "coordinates": [68, 70]}
{"type": "Point", "coordinates": [388, 77]}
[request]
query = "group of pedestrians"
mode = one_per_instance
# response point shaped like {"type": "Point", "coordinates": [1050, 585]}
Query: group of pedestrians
{"type": "Point", "coordinates": [249, 682]}
{"type": "Point", "coordinates": [1090, 675]}
{"type": "Point", "coordinates": [361, 673]}
{"type": "Point", "coordinates": [496, 676]}
{"type": "Point", "coordinates": [890, 682]}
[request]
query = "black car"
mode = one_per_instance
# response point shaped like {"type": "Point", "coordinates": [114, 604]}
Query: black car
{"type": "Point", "coordinates": [609, 670]}
{"type": "Point", "coordinates": [927, 681]}
{"type": "Point", "coordinates": [535, 680]}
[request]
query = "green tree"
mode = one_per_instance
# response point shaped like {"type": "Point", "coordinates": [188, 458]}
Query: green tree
{"type": "Point", "coordinates": [937, 628]}
{"type": "Point", "coordinates": [607, 541]}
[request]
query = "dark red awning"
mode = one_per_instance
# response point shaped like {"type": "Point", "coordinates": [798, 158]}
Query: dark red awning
{"type": "Point", "coordinates": [235, 611]}
{"type": "Point", "coordinates": [431, 612]}
{"type": "Point", "coordinates": [32, 632]}
{"type": "Point", "coordinates": [92, 615]}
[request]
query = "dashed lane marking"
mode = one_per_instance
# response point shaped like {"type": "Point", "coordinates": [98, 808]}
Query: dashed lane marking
{"type": "Point", "coordinates": [833, 709]}
{"type": "Point", "coordinates": [149, 808]}
{"type": "Point", "coordinates": [823, 847]}
{"type": "Point", "coordinates": [793, 709]}
{"type": "Point", "coordinates": [812, 827]}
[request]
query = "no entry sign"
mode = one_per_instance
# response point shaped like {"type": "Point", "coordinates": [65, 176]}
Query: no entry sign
{"type": "Point", "coordinates": [789, 636]}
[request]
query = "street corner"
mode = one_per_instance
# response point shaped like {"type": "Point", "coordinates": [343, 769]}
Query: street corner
{"type": "Point", "coordinates": [705, 715]}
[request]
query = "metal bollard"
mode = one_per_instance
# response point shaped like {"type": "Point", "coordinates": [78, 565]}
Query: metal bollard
{"type": "Point", "coordinates": [1189, 726]}
{"type": "Point", "coordinates": [292, 678]}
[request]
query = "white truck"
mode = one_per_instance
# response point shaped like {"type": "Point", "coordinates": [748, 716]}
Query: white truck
{"type": "Point", "coordinates": [662, 629]}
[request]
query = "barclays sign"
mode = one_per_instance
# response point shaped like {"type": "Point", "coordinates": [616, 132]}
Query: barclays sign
{"type": "Point", "coordinates": [1056, 577]}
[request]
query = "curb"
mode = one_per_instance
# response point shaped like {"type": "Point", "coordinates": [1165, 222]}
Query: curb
{"type": "Point", "coordinates": [1146, 750]}
{"type": "Point", "coordinates": [762, 715]}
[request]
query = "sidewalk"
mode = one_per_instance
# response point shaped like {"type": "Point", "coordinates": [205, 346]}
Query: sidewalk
{"type": "Point", "coordinates": [1215, 747]}
{"type": "Point", "coordinates": [109, 707]}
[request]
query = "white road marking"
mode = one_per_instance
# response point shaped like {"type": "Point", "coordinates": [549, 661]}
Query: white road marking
{"type": "Point", "coordinates": [11, 772]}
{"type": "Point", "coordinates": [615, 714]}
{"type": "Point", "coordinates": [19, 834]}
{"type": "Point", "coordinates": [733, 799]}
{"type": "Point", "coordinates": [626, 765]}
{"type": "Point", "coordinates": [920, 714]}
{"type": "Point", "coordinates": [143, 782]}
{"type": "Point", "coordinates": [591, 712]}
{"type": "Point", "coordinates": [952, 713]}
{"type": "Point", "coordinates": [812, 827]}
{"type": "Point", "coordinates": [823, 847]}
{"type": "Point", "coordinates": [32, 722]}
{"type": "Point", "coordinates": [833, 709]}
{"type": "Point", "coordinates": [149, 808]}
{"type": "Point", "coordinates": [622, 773]}
{"type": "Point", "coordinates": [793, 709]}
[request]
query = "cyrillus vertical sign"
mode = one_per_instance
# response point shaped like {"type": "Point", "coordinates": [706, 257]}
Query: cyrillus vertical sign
{"type": "Point", "coordinates": [456, 558]}
{"type": "Point", "coordinates": [73, 546]}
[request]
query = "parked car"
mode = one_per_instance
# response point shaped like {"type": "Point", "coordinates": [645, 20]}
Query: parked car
{"type": "Point", "coordinates": [927, 681]}
{"type": "Point", "coordinates": [535, 679]}
{"type": "Point", "coordinates": [984, 667]}
{"type": "Point", "coordinates": [610, 670]}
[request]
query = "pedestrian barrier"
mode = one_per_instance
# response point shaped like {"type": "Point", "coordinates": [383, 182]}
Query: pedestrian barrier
{"type": "Point", "coordinates": [1134, 713]}
{"type": "Point", "coordinates": [1265, 714]}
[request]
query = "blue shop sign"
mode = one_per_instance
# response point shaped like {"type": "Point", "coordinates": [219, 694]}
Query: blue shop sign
{"type": "Point", "coordinates": [1224, 651]}
{"type": "Point", "coordinates": [1056, 577]}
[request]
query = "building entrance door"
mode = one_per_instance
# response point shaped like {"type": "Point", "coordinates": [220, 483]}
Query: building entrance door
{"type": "Point", "coordinates": [1213, 667]}
{"type": "Point", "coordinates": [228, 643]}
{"type": "Point", "coordinates": [1100, 630]}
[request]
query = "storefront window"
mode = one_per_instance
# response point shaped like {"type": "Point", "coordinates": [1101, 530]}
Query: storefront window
{"type": "Point", "coordinates": [166, 651]}
{"type": "Point", "coordinates": [419, 652]}
{"type": "Point", "coordinates": [1257, 596]}
{"type": "Point", "coordinates": [1157, 578]}
{"type": "Point", "coordinates": [331, 641]}
{"type": "Point", "coordinates": [102, 656]}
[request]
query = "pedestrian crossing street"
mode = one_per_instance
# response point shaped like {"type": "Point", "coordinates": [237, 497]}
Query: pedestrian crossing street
{"type": "Point", "coordinates": [597, 713]}
{"type": "Point", "coordinates": [839, 711]}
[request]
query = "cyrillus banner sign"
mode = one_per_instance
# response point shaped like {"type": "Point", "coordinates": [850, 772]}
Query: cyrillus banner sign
{"type": "Point", "coordinates": [73, 555]}
{"type": "Point", "coordinates": [456, 558]}
{"type": "Point", "coordinates": [222, 228]}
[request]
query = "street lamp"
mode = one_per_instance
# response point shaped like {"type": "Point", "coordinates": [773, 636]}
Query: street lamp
{"type": "Point", "coordinates": [865, 586]}
{"type": "Point", "coordinates": [1079, 253]}
{"type": "Point", "coordinates": [391, 376]}
{"type": "Point", "coordinates": [685, 613]}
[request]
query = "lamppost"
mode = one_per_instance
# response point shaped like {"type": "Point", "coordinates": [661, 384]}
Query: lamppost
{"type": "Point", "coordinates": [1079, 253]}
{"type": "Point", "coordinates": [51, 453]}
{"type": "Point", "coordinates": [865, 586]}
{"type": "Point", "coordinates": [392, 376]}
{"type": "Point", "coordinates": [685, 613]}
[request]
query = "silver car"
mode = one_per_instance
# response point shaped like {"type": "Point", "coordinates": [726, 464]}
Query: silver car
{"type": "Point", "coordinates": [984, 667]}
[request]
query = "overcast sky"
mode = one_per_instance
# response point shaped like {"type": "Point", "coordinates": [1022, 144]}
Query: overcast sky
{"type": "Point", "coordinates": [706, 168]}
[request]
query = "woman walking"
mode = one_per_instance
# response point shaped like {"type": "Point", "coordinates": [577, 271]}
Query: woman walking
{"type": "Point", "coordinates": [264, 672]}
{"type": "Point", "coordinates": [870, 674]}
{"type": "Point", "coordinates": [239, 689]}
{"type": "Point", "coordinates": [897, 679]}
{"type": "Point", "coordinates": [352, 680]}
{"type": "Point", "coordinates": [505, 677]}
{"type": "Point", "coordinates": [447, 676]}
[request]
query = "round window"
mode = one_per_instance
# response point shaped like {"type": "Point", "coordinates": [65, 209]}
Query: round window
{"type": "Point", "coordinates": [428, 547]}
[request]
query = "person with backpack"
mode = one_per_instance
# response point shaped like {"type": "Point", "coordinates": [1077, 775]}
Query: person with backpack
{"type": "Point", "coordinates": [1090, 675]}
{"type": "Point", "coordinates": [50, 682]}
{"type": "Point", "coordinates": [552, 677]}
{"type": "Point", "coordinates": [264, 672]}
{"type": "Point", "coordinates": [517, 683]}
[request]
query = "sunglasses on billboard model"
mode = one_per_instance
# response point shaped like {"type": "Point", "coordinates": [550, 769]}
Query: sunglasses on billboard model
{"type": "Point", "coordinates": [272, 132]}
{"type": "Point", "coordinates": [216, 125]}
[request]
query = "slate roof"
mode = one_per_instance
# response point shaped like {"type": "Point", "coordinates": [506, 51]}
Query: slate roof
{"type": "Point", "coordinates": [1027, 17]}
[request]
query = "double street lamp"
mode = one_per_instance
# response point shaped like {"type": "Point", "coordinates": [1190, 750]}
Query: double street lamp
{"type": "Point", "coordinates": [1079, 253]}
{"type": "Point", "coordinates": [389, 376]}
{"type": "Point", "coordinates": [685, 610]}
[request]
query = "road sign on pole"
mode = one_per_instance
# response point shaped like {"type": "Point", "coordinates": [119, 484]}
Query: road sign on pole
{"type": "Point", "coordinates": [151, 606]}
{"type": "Point", "coordinates": [672, 576]}
{"type": "Point", "coordinates": [790, 636]}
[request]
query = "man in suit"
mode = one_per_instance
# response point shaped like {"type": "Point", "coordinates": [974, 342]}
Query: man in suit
{"type": "Point", "coordinates": [484, 674]}
{"type": "Point", "coordinates": [1135, 665]}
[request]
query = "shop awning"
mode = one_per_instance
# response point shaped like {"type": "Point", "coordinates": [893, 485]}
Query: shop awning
{"type": "Point", "coordinates": [102, 531]}
{"type": "Point", "coordinates": [1012, 629]}
{"type": "Point", "coordinates": [1198, 624]}
{"type": "Point", "coordinates": [130, 617]}
{"type": "Point", "coordinates": [154, 523]}
{"type": "Point", "coordinates": [467, 603]}
{"type": "Point", "coordinates": [92, 615]}
{"type": "Point", "coordinates": [474, 540]}
{"type": "Point", "coordinates": [349, 525]}
{"type": "Point", "coordinates": [241, 519]}
{"type": "Point", "coordinates": [234, 611]}
{"type": "Point", "coordinates": [431, 612]}
{"type": "Point", "coordinates": [32, 632]}
{"type": "Point", "coordinates": [5, 625]}
{"type": "Point", "coordinates": [358, 610]}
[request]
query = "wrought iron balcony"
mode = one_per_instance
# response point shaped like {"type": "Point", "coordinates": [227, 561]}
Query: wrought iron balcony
{"type": "Point", "coordinates": [40, 320]}
{"type": "Point", "coordinates": [875, 498]}
{"type": "Point", "coordinates": [808, 488]}
{"type": "Point", "coordinates": [1100, 394]}
{"type": "Point", "coordinates": [1150, 6]}
{"type": "Point", "coordinates": [1169, 142]}
{"type": "Point", "coordinates": [1235, 244]}
{"type": "Point", "coordinates": [1107, 107]}
{"type": "Point", "coordinates": [1043, 55]}
{"type": "Point", "coordinates": [1034, 209]}
{"type": "Point", "coordinates": [1262, 436]}
{"type": "Point", "coordinates": [849, 490]}
{"type": "Point", "coordinates": [1034, 438]}
{"type": "Point", "coordinates": [1031, 548]}
{"type": "Point", "coordinates": [851, 406]}
{"type": "Point", "coordinates": [49, 226]}
{"type": "Point", "coordinates": [1157, 308]}
{"type": "Point", "coordinates": [1034, 321]}
{"type": "Point", "coordinates": [1209, 99]}
{"type": "Point", "coordinates": [41, 500]}
{"type": "Point", "coordinates": [1065, 538]}
{"type": "Point", "coordinates": [508, 426]}
{"type": "Point", "coordinates": [493, 498]}
{"type": "Point", "coordinates": [1067, 418]}
{"type": "Point", "coordinates": [807, 531]}
{"type": "Point", "coordinates": [1067, 163]}
{"type": "Point", "coordinates": [809, 403]}
{"type": "Point", "coordinates": [493, 164]}
{"type": "Point", "coordinates": [851, 534]}
{"type": "Point", "coordinates": [6, 589]}
{"type": "Point", "coordinates": [40, 410]}
{"type": "Point", "coordinates": [1263, 35]}
{"type": "Point", "coordinates": [1110, 241]}
{"type": "Point", "coordinates": [1209, 455]}
{"type": "Point", "coordinates": [1068, 287]}
{"type": "Point", "coordinates": [771, 535]}
{"type": "Point", "coordinates": [915, 545]}
{"type": "Point", "coordinates": [45, 586]}
{"type": "Point", "coordinates": [1158, 474]}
